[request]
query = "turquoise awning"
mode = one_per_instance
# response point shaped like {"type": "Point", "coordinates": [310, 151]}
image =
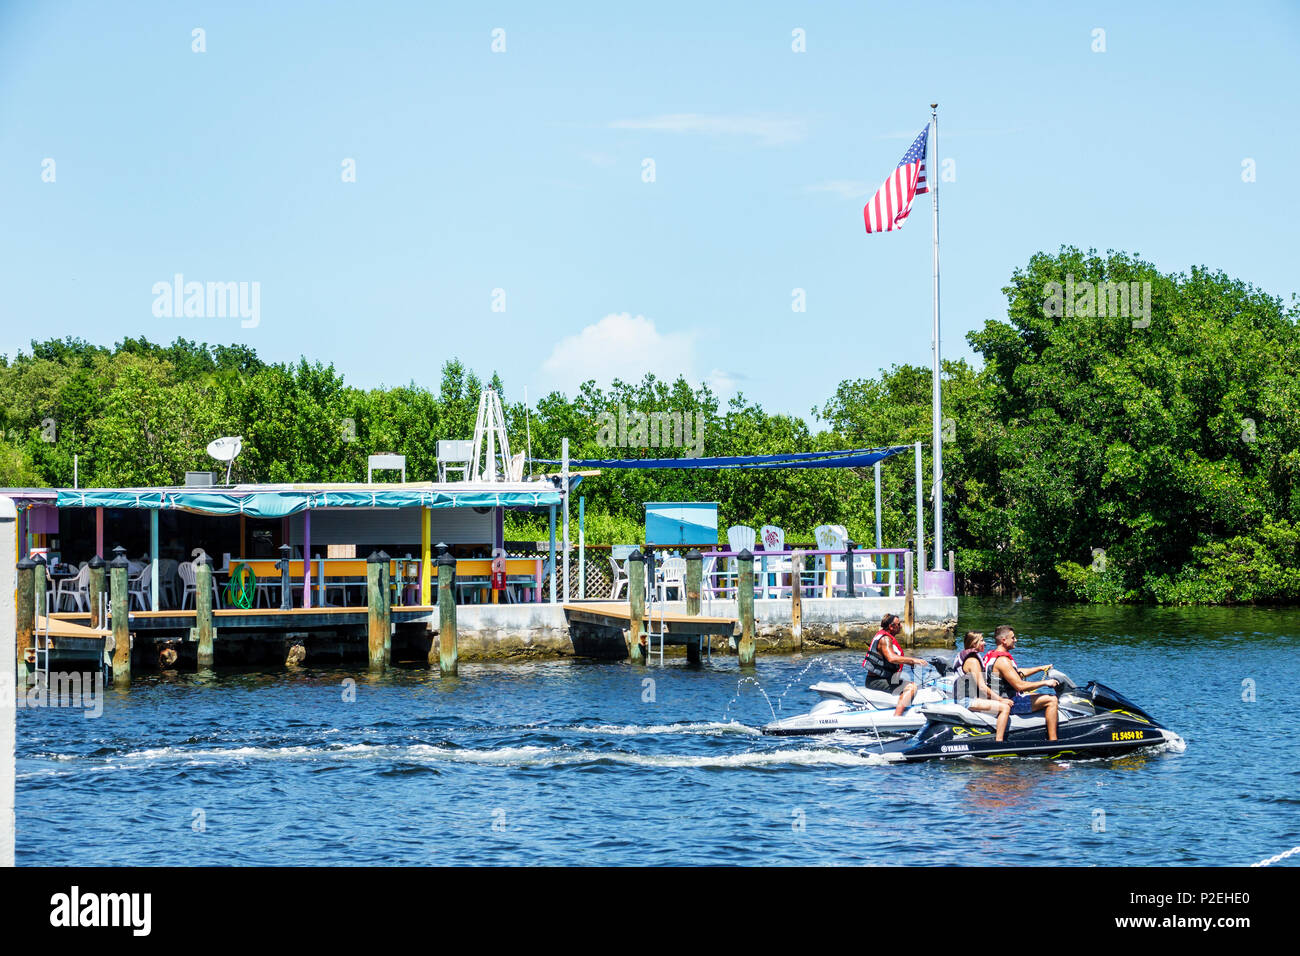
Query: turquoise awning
{"type": "Point", "coordinates": [277, 504]}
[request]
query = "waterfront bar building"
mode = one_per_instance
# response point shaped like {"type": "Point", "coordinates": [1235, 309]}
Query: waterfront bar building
{"type": "Point", "coordinates": [328, 529]}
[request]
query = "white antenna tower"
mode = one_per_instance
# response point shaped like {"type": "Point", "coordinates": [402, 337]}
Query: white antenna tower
{"type": "Point", "coordinates": [491, 424]}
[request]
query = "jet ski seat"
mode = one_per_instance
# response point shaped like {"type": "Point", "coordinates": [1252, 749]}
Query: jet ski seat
{"type": "Point", "coordinates": [956, 713]}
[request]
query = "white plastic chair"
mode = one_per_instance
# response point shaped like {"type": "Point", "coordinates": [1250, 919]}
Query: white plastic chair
{"type": "Point", "coordinates": [139, 586]}
{"type": "Point", "coordinates": [773, 540]}
{"type": "Point", "coordinates": [830, 537]}
{"type": "Point", "coordinates": [706, 578]}
{"type": "Point", "coordinates": [75, 590]}
{"type": "Point", "coordinates": [186, 571]}
{"type": "Point", "coordinates": [619, 574]}
{"type": "Point", "coordinates": [739, 538]}
{"type": "Point", "coordinates": [672, 574]}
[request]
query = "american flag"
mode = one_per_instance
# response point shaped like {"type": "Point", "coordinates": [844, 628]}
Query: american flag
{"type": "Point", "coordinates": [887, 210]}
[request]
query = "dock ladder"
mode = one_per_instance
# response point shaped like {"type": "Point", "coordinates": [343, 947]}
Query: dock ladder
{"type": "Point", "coordinates": [41, 650]}
{"type": "Point", "coordinates": [651, 594]}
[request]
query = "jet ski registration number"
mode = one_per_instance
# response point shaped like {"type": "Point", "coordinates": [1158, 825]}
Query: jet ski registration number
{"type": "Point", "coordinates": [1127, 735]}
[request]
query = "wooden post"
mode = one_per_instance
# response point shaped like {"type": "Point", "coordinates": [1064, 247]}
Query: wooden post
{"type": "Point", "coordinates": [694, 578]}
{"type": "Point", "coordinates": [745, 598]}
{"type": "Point", "coordinates": [95, 593]}
{"type": "Point", "coordinates": [121, 607]}
{"type": "Point", "coordinates": [796, 601]}
{"type": "Point", "coordinates": [39, 585]}
{"type": "Point", "coordinates": [636, 604]}
{"type": "Point", "coordinates": [909, 603]}
{"type": "Point", "coordinates": [448, 654]}
{"type": "Point", "coordinates": [203, 628]}
{"type": "Point", "coordinates": [379, 613]}
{"type": "Point", "coordinates": [26, 569]}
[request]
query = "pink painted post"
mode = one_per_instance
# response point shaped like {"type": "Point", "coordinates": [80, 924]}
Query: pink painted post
{"type": "Point", "coordinates": [537, 570]}
{"type": "Point", "coordinates": [306, 558]}
{"type": "Point", "coordinates": [99, 531]}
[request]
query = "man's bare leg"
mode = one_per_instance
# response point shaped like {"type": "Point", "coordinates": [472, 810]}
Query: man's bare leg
{"type": "Point", "coordinates": [904, 699]}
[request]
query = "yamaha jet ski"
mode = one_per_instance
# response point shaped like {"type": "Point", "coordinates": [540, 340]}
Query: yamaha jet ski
{"type": "Point", "coordinates": [1094, 722]}
{"type": "Point", "coordinates": [832, 716]}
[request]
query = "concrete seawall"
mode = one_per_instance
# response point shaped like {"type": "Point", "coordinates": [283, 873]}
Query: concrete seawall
{"type": "Point", "coordinates": [488, 632]}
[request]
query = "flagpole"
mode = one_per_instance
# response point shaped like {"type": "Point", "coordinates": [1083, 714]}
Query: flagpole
{"type": "Point", "coordinates": [932, 182]}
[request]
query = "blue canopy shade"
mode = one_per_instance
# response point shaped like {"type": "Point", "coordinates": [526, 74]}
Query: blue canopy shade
{"type": "Point", "coordinates": [277, 504]}
{"type": "Point", "coordinates": [848, 458]}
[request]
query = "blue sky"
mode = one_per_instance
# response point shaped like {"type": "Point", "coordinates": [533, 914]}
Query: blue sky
{"type": "Point", "coordinates": [523, 171]}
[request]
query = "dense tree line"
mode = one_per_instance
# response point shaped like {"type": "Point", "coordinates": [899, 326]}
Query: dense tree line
{"type": "Point", "coordinates": [1152, 455]}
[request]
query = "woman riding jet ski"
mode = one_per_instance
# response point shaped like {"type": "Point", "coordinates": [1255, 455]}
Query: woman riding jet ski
{"type": "Point", "coordinates": [1092, 722]}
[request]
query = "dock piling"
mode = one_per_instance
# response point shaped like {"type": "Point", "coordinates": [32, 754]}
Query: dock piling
{"type": "Point", "coordinates": [203, 629]}
{"type": "Point", "coordinates": [848, 567]}
{"type": "Point", "coordinates": [26, 569]}
{"type": "Point", "coordinates": [379, 616]}
{"type": "Point", "coordinates": [40, 585]}
{"type": "Point", "coordinates": [448, 653]}
{"type": "Point", "coordinates": [796, 601]}
{"type": "Point", "coordinates": [745, 599]}
{"type": "Point", "coordinates": [120, 602]}
{"type": "Point", "coordinates": [95, 595]}
{"type": "Point", "coordinates": [636, 604]}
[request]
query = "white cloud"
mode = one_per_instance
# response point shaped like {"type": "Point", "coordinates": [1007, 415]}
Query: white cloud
{"type": "Point", "coordinates": [722, 383]}
{"type": "Point", "coordinates": [770, 130]}
{"type": "Point", "coordinates": [619, 346]}
{"type": "Point", "coordinates": [625, 346]}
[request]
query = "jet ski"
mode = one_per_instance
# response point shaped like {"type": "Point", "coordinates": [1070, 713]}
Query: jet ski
{"type": "Point", "coordinates": [860, 710]}
{"type": "Point", "coordinates": [833, 716]}
{"type": "Point", "coordinates": [1094, 722]}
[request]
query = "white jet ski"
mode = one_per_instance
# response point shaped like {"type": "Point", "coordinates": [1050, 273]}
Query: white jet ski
{"type": "Point", "coordinates": [934, 688]}
{"type": "Point", "coordinates": [853, 709]}
{"type": "Point", "coordinates": [836, 715]}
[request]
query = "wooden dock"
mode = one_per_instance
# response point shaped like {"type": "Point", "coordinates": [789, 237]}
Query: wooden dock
{"type": "Point", "coordinates": [600, 629]}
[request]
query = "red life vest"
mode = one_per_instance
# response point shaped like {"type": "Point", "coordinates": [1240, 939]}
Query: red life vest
{"type": "Point", "coordinates": [875, 662]}
{"type": "Point", "coordinates": [990, 674]}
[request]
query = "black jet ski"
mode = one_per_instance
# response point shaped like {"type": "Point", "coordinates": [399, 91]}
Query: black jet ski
{"type": "Point", "coordinates": [1094, 722]}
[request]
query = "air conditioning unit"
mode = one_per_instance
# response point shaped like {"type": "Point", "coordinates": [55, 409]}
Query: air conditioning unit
{"type": "Point", "coordinates": [200, 479]}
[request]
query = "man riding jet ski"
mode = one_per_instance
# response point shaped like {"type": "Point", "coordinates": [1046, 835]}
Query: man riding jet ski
{"type": "Point", "coordinates": [1092, 722]}
{"type": "Point", "coordinates": [884, 685]}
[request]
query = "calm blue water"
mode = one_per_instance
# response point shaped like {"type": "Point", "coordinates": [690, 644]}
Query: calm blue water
{"type": "Point", "coordinates": [574, 763]}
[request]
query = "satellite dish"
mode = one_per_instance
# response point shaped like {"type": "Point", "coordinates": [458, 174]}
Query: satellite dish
{"type": "Point", "coordinates": [226, 449]}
